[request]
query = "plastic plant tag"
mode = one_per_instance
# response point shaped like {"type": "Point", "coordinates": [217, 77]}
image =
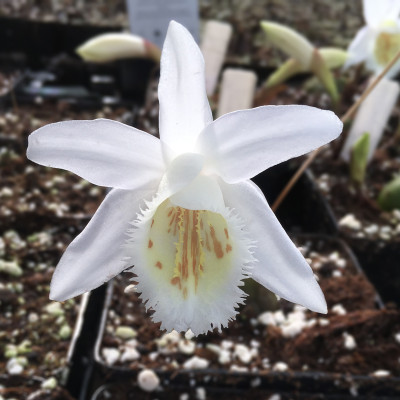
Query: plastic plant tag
{"type": "Point", "coordinates": [372, 117]}
{"type": "Point", "coordinates": [237, 90]}
{"type": "Point", "coordinates": [150, 18]}
{"type": "Point", "coordinates": [214, 44]}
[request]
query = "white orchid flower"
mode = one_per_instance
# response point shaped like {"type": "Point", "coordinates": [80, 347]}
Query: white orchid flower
{"type": "Point", "coordinates": [183, 210]}
{"type": "Point", "coordinates": [378, 42]}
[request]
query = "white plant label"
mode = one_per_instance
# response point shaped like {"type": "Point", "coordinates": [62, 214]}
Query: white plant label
{"type": "Point", "coordinates": [372, 117]}
{"type": "Point", "coordinates": [150, 18]}
{"type": "Point", "coordinates": [237, 90]}
{"type": "Point", "coordinates": [214, 45]}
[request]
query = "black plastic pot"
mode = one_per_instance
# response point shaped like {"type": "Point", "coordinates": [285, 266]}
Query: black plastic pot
{"type": "Point", "coordinates": [120, 84]}
{"type": "Point", "coordinates": [80, 359]}
{"type": "Point", "coordinates": [133, 77]}
{"type": "Point", "coordinates": [380, 262]}
{"type": "Point", "coordinates": [121, 382]}
{"type": "Point", "coordinates": [304, 209]}
{"type": "Point", "coordinates": [238, 386]}
{"type": "Point", "coordinates": [38, 41]}
{"type": "Point", "coordinates": [379, 258]}
{"type": "Point", "coordinates": [53, 70]}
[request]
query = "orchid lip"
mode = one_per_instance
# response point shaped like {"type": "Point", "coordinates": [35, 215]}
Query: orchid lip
{"type": "Point", "coordinates": [188, 263]}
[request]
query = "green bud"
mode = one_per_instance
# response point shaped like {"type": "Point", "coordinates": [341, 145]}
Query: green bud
{"type": "Point", "coordinates": [333, 56]}
{"type": "Point", "coordinates": [389, 197]}
{"type": "Point", "coordinates": [108, 47]}
{"type": "Point", "coordinates": [288, 69]}
{"type": "Point", "coordinates": [321, 70]}
{"type": "Point", "coordinates": [289, 41]}
{"type": "Point", "coordinates": [359, 158]}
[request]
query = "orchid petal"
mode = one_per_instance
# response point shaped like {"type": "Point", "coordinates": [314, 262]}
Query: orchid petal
{"type": "Point", "coordinates": [184, 108]}
{"type": "Point", "coordinates": [378, 12]}
{"type": "Point", "coordinates": [102, 151]}
{"type": "Point", "coordinates": [180, 173]}
{"type": "Point", "coordinates": [361, 47]}
{"type": "Point", "coordinates": [203, 193]}
{"type": "Point", "coordinates": [244, 143]}
{"type": "Point", "coordinates": [95, 256]}
{"type": "Point", "coordinates": [281, 268]}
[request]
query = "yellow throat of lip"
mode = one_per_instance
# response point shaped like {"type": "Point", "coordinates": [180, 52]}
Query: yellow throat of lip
{"type": "Point", "coordinates": [387, 45]}
{"type": "Point", "coordinates": [189, 249]}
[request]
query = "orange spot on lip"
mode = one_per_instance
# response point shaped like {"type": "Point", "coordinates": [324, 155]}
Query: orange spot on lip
{"type": "Point", "coordinates": [226, 233]}
{"type": "Point", "coordinates": [150, 245]}
{"type": "Point", "coordinates": [152, 223]}
{"type": "Point", "coordinates": [159, 265]}
{"type": "Point", "coordinates": [228, 248]}
{"type": "Point", "coordinates": [176, 281]}
{"type": "Point", "coordinates": [217, 244]}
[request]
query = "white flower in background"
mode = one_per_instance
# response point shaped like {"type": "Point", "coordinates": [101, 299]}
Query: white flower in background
{"type": "Point", "coordinates": [183, 210]}
{"type": "Point", "coordinates": [378, 42]}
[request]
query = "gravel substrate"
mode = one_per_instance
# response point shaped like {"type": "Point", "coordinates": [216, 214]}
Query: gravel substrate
{"type": "Point", "coordinates": [286, 338]}
{"type": "Point", "coordinates": [41, 211]}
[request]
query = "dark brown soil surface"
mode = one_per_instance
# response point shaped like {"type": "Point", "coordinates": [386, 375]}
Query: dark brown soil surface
{"type": "Point", "coordinates": [354, 337]}
{"type": "Point", "coordinates": [19, 387]}
{"type": "Point", "coordinates": [41, 212]}
{"type": "Point", "coordinates": [346, 198]}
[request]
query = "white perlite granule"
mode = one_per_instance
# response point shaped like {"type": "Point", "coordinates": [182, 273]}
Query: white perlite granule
{"type": "Point", "coordinates": [148, 380]}
{"type": "Point", "coordinates": [350, 221]}
{"type": "Point", "coordinates": [349, 341]}
{"type": "Point", "coordinates": [196, 363]}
